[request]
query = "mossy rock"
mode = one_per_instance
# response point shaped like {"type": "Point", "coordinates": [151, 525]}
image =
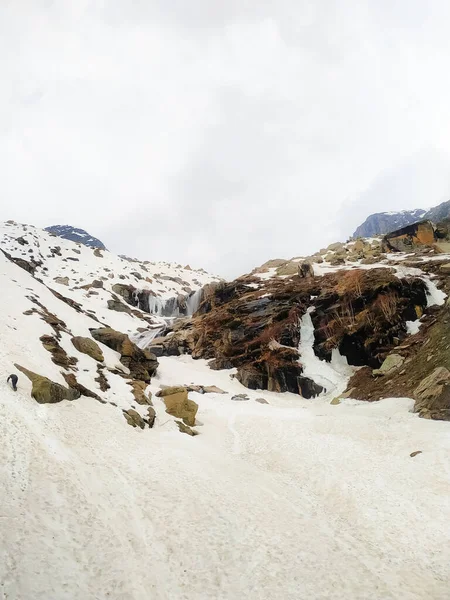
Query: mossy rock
{"type": "Point", "coordinates": [46, 391]}
{"type": "Point", "coordinates": [89, 347]}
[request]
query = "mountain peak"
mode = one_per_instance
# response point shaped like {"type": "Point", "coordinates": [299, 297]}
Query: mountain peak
{"type": "Point", "coordinates": [76, 235]}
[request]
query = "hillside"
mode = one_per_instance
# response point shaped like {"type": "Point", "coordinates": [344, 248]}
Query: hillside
{"type": "Point", "coordinates": [286, 487]}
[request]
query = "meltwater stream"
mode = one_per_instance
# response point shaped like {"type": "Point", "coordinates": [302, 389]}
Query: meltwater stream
{"type": "Point", "coordinates": [333, 375]}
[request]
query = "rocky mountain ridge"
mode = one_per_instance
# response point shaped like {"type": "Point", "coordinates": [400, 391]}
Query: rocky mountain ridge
{"type": "Point", "coordinates": [386, 222]}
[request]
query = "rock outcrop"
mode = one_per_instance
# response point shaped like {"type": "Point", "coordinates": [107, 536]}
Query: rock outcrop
{"type": "Point", "coordinates": [75, 235]}
{"type": "Point", "coordinates": [139, 392]}
{"type": "Point", "coordinates": [141, 363]}
{"type": "Point", "coordinates": [178, 404]}
{"type": "Point", "coordinates": [253, 325]}
{"type": "Point", "coordinates": [46, 391]}
{"type": "Point", "coordinates": [410, 237]}
{"type": "Point", "coordinates": [433, 395]}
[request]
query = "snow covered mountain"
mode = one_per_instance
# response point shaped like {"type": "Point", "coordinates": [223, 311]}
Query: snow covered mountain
{"type": "Point", "coordinates": [76, 235]}
{"type": "Point", "coordinates": [385, 222]}
{"type": "Point", "coordinates": [277, 497]}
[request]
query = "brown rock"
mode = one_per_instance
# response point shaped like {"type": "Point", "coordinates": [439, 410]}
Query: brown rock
{"type": "Point", "coordinates": [61, 280]}
{"type": "Point", "coordinates": [433, 395]}
{"type": "Point", "coordinates": [89, 347]}
{"type": "Point", "coordinates": [178, 405]}
{"type": "Point", "coordinates": [141, 363]}
{"type": "Point", "coordinates": [185, 429]}
{"type": "Point", "coordinates": [134, 418]}
{"type": "Point", "coordinates": [138, 389]}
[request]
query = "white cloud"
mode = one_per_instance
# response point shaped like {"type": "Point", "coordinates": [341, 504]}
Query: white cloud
{"type": "Point", "coordinates": [221, 133]}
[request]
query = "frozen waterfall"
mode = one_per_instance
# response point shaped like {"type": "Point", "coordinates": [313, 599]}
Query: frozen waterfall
{"type": "Point", "coordinates": [171, 308]}
{"type": "Point", "coordinates": [333, 375]}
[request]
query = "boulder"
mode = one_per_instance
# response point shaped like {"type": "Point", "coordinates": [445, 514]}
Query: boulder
{"type": "Point", "coordinates": [289, 268]}
{"type": "Point", "coordinates": [141, 363]}
{"type": "Point", "coordinates": [151, 416]}
{"type": "Point", "coordinates": [118, 306]}
{"type": "Point", "coordinates": [61, 280]}
{"type": "Point", "coordinates": [88, 346]}
{"type": "Point", "coordinates": [305, 270]}
{"type": "Point", "coordinates": [185, 429]}
{"type": "Point", "coordinates": [240, 398]}
{"type": "Point", "coordinates": [178, 405]}
{"type": "Point", "coordinates": [45, 391]}
{"type": "Point", "coordinates": [213, 389]}
{"type": "Point", "coordinates": [134, 418]}
{"type": "Point", "coordinates": [337, 246]}
{"type": "Point", "coordinates": [445, 269]}
{"type": "Point", "coordinates": [138, 389]}
{"type": "Point", "coordinates": [390, 364]}
{"type": "Point", "coordinates": [261, 400]}
{"type": "Point", "coordinates": [409, 238]}
{"type": "Point", "coordinates": [433, 395]}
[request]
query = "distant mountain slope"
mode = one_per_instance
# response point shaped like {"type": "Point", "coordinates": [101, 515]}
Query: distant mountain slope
{"type": "Point", "coordinates": [76, 235]}
{"type": "Point", "coordinates": [439, 213]}
{"type": "Point", "coordinates": [386, 222]}
{"type": "Point", "coordinates": [381, 223]}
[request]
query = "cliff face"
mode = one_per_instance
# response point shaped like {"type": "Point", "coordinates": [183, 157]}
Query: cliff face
{"type": "Point", "coordinates": [381, 223]}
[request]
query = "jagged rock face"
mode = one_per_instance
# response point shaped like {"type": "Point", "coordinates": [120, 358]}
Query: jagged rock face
{"type": "Point", "coordinates": [141, 363]}
{"type": "Point", "coordinates": [76, 235]}
{"type": "Point", "coordinates": [410, 237]}
{"type": "Point", "coordinates": [364, 313]}
{"type": "Point", "coordinates": [257, 330]}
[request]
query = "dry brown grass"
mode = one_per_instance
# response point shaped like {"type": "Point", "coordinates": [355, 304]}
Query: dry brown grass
{"type": "Point", "coordinates": [387, 304]}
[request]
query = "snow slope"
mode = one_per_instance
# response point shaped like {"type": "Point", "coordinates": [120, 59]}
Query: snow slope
{"type": "Point", "coordinates": [289, 500]}
{"type": "Point", "coordinates": [81, 265]}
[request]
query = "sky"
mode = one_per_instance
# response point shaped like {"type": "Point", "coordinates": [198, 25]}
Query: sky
{"type": "Point", "coordinates": [222, 133]}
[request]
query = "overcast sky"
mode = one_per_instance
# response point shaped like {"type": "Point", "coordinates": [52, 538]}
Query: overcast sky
{"type": "Point", "coordinates": [222, 133]}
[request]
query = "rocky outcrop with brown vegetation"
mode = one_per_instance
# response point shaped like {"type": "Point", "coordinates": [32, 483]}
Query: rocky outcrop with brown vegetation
{"type": "Point", "coordinates": [253, 324]}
